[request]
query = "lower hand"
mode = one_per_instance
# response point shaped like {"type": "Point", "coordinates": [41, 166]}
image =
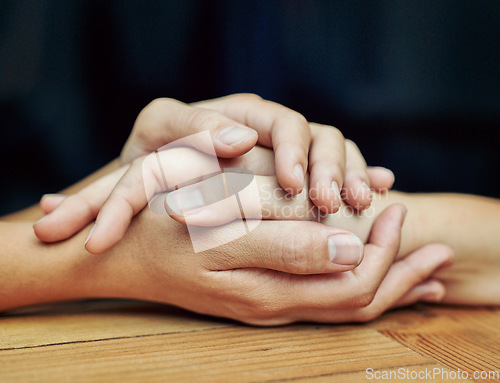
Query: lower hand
{"type": "Point", "coordinates": [272, 276]}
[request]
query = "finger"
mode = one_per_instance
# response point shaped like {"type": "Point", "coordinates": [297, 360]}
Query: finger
{"type": "Point", "coordinates": [329, 297]}
{"type": "Point", "coordinates": [83, 207]}
{"type": "Point", "coordinates": [76, 210]}
{"type": "Point", "coordinates": [326, 166]}
{"type": "Point", "coordinates": [356, 189]}
{"type": "Point", "coordinates": [144, 178]}
{"type": "Point", "coordinates": [382, 246]}
{"type": "Point", "coordinates": [321, 298]}
{"type": "Point", "coordinates": [283, 129]}
{"type": "Point", "coordinates": [236, 196]}
{"type": "Point", "coordinates": [408, 281]}
{"type": "Point", "coordinates": [125, 201]}
{"type": "Point", "coordinates": [429, 291]}
{"type": "Point", "coordinates": [165, 120]}
{"type": "Point", "coordinates": [381, 179]}
{"type": "Point", "coordinates": [402, 286]}
{"type": "Point", "coordinates": [382, 250]}
{"type": "Point", "coordinates": [352, 289]}
{"type": "Point", "coordinates": [286, 246]}
{"type": "Point", "coordinates": [216, 201]}
{"type": "Point", "coordinates": [158, 172]}
{"type": "Point", "coordinates": [259, 160]}
{"type": "Point", "coordinates": [357, 288]}
{"type": "Point", "coordinates": [49, 202]}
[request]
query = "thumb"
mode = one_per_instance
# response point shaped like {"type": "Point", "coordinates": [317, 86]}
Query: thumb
{"type": "Point", "coordinates": [165, 120]}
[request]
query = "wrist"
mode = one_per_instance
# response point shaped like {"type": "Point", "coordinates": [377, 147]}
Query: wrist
{"type": "Point", "coordinates": [360, 223]}
{"type": "Point", "coordinates": [33, 272]}
{"type": "Point", "coordinates": [133, 268]}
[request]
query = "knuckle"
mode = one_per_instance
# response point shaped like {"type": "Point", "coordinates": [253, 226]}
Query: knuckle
{"type": "Point", "coordinates": [332, 169]}
{"type": "Point", "coordinates": [258, 307]}
{"type": "Point", "coordinates": [86, 210]}
{"type": "Point", "coordinates": [261, 312]}
{"type": "Point", "coordinates": [145, 126]}
{"type": "Point", "coordinates": [301, 120]}
{"type": "Point", "coordinates": [291, 254]}
{"type": "Point", "coordinates": [351, 144]}
{"type": "Point", "coordinates": [297, 253]}
{"type": "Point", "coordinates": [296, 118]}
{"type": "Point", "coordinates": [249, 96]}
{"type": "Point", "coordinates": [335, 131]}
{"type": "Point", "coordinates": [258, 299]}
{"type": "Point", "coordinates": [327, 131]}
{"type": "Point", "coordinates": [204, 119]}
{"type": "Point", "coordinates": [160, 103]}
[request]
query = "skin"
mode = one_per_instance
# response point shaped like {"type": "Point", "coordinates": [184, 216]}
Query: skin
{"type": "Point", "coordinates": [332, 163]}
{"type": "Point", "coordinates": [265, 278]}
{"type": "Point", "coordinates": [259, 279]}
{"type": "Point", "coordinates": [298, 146]}
{"type": "Point", "coordinates": [262, 279]}
{"type": "Point", "coordinates": [433, 218]}
{"type": "Point", "coordinates": [472, 231]}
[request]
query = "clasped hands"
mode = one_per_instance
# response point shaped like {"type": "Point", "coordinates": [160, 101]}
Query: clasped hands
{"type": "Point", "coordinates": [281, 272]}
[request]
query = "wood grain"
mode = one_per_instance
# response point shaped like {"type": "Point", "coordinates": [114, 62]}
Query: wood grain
{"type": "Point", "coordinates": [460, 338]}
{"type": "Point", "coordinates": [126, 341]}
{"type": "Point", "coordinates": [96, 320]}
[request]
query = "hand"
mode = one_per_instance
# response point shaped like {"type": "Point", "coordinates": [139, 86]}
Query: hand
{"type": "Point", "coordinates": [259, 278]}
{"type": "Point", "coordinates": [127, 198]}
{"type": "Point", "coordinates": [117, 197]}
{"type": "Point", "coordinates": [237, 122]}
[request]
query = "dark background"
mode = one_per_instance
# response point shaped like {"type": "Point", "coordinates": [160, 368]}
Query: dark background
{"type": "Point", "coordinates": [415, 83]}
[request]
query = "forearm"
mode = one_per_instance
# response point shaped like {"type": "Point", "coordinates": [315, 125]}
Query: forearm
{"type": "Point", "coordinates": [468, 224]}
{"type": "Point", "coordinates": [32, 272]}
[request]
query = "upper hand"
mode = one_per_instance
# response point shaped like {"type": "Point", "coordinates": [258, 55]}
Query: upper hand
{"type": "Point", "coordinates": [238, 122]}
{"type": "Point", "coordinates": [120, 196]}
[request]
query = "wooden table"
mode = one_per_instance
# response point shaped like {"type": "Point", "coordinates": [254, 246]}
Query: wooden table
{"type": "Point", "coordinates": [128, 341]}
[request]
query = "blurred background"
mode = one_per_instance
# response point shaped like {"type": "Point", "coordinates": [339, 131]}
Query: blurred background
{"type": "Point", "coordinates": [416, 84]}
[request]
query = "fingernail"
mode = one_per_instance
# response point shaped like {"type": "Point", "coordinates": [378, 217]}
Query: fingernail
{"type": "Point", "coordinates": [185, 199]}
{"type": "Point", "coordinates": [234, 135]}
{"type": "Point", "coordinates": [40, 220]}
{"type": "Point", "coordinates": [298, 172]}
{"type": "Point", "coordinates": [53, 195]}
{"type": "Point", "coordinates": [335, 188]}
{"type": "Point", "coordinates": [90, 235]}
{"type": "Point", "coordinates": [345, 249]}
